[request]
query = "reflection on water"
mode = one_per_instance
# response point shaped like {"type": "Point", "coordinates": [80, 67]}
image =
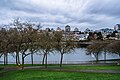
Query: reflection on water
{"type": "Point", "coordinates": [78, 55]}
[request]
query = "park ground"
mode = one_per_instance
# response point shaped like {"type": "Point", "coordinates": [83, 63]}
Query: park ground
{"type": "Point", "coordinates": [67, 72]}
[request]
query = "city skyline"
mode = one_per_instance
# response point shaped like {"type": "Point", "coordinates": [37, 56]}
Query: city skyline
{"type": "Point", "coordinates": [93, 14]}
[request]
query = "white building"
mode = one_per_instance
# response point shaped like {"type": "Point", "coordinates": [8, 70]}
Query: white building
{"type": "Point", "coordinates": [58, 29]}
{"type": "Point", "coordinates": [78, 37]}
{"type": "Point", "coordinates": [67, 28]}
{"type": "Point", "coordinates": [117, 27]}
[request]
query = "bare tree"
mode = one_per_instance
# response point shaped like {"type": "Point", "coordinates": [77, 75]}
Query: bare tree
{"type": "Point", "coordinates": [28, 42]}
{"type": "Point", "coordinates": [114, 47]}
{"type": "Point", "coordinates": [95, 49]}
{"type": "Point", "coordinates": [46, 45]}
{"type": "Point", "coordinates": [104, 45]}
{"type": "Point", "coordinates": [33, 41]}
{"type": "Point", "coordinates": [5, 43]}
{"type": "Point", "coordinates": [61, 46]}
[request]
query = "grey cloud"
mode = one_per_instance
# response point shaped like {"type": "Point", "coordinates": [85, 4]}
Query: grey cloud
{"type": "Point", "coordinates": [109, 7]}
{"type": "Point", "coordinates": [94, 13]}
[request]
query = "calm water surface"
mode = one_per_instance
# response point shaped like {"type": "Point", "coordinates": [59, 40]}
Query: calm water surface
{"type": "Point", "coordinates": [78, 55]}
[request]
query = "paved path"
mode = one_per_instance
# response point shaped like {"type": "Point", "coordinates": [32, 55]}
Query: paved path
{"type": "Point", "coordinates": [66, 70]}
{"type": "Point", "coordinates": [54, 68]}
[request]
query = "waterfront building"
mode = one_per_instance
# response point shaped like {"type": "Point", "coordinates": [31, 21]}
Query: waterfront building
{"type": "Point", "coordinates": [88, 30]}
{"type": "Point", "coordinates": [117, 27]}
{"type": "Point", "coordinates": [67, 28]}
{"type": "Point", "coordinates": [58, 29]}
{"type": "Point", "coordinates": [76, 30]}
{"type": "Point", "coordinates": [47, 29]}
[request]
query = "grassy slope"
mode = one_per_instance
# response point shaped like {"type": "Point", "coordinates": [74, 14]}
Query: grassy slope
{"type": "Point", "coordinates": [45, 75]}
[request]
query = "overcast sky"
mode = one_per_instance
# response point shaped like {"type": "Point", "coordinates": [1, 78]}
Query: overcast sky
{"type": "Point", "coordinates": [93, 14]}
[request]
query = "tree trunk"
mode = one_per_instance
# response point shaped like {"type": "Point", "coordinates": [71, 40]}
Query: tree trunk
{"type": "Point", "coordinates": [96, 57]}
{"type": "Point", "coordinates": [61, 60]}
{"type": "Point", "coordinates": [46, 61]}
{"type": "Point", "coordinates": [16, 59]}
{"type": "Point", "coordinates": [22, 61]}
{"type": "Point", "coordinates": [32, 58]}
{"type": "Point", "coordinates": [43, 59]}
{"type": "Point", "coordinates": [4, 59]}
{"type": "Point", "coordinates": [105, 57]}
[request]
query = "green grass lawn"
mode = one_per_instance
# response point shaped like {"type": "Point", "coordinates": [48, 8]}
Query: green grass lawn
{"type": "Point", "coordinates": [50, 75]}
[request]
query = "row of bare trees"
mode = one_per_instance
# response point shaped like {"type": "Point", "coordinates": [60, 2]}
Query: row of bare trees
{"type": "Point", "coordinates": [107, 46]}
{"type": "Point", "coordinates": [26, 40]}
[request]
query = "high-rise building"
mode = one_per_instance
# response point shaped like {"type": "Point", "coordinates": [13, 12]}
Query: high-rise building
{"type": "Point", "coordinates": [76, 30]}
{"type": "Point", "coordinates": [67, 28]}
{"type": "Point", "coordinates": [88, 30]}
{"type": "Point", "coordinates": [117, 27]}
{"type": "Point", "coordinates": [47, 29]}
{"type": "Point", "coordinates": [52, 30]}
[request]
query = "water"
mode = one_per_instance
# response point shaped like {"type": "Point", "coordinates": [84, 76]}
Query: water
{"type": "Point", "coordinates": [79, 55]}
